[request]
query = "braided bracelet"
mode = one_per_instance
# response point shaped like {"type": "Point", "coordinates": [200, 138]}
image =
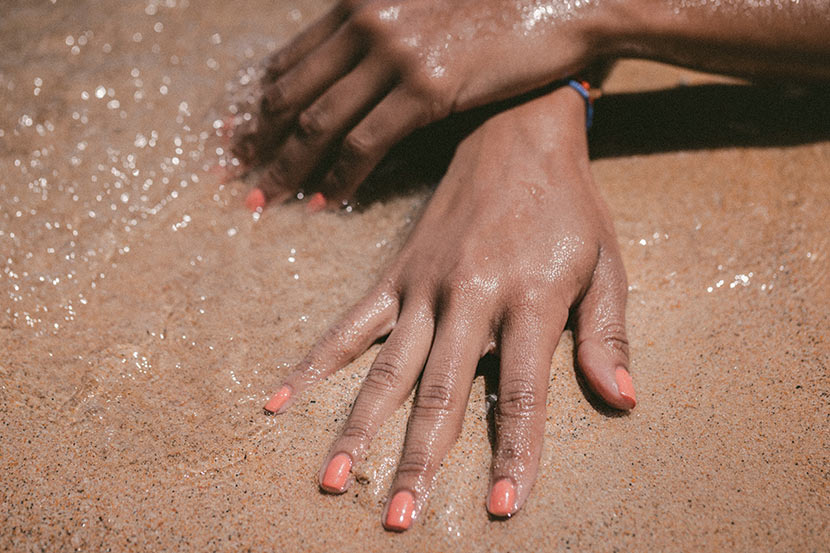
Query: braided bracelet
{"type": "Point", "coordinates": [583, 88]}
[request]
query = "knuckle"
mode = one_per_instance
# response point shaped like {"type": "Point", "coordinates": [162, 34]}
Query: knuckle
{"type": "Point", "coordinates": [512, 448]}
{"type": "Point", "coordinates": [385, 374]}
{"type": "Point", "coordinates": [519, 400]}
{"type": "Point", "coordinates": [336, 336]}
{"type": "Point", "coordinates": [312, 123]}
{"type": "Point", "coordinates": [358, 429]}
{"type": "Point", "coordinates": [460, 282]}
{"type": "Point", "coordinates": [415, 462]}
{"type": "Point", "coordinates": [373, 16]}
{"type": "Point", "coordinates": [276, 64]}
{"type": "Point", "coordinates": [425, 113]}
{"type": "Point", "coordinates": [277, 95]}
{"type": "Point", "coordinates": [432, 94]}
{"type": "Point", "coordinates": [615, 337]}
{"type": "Point", "coordinates": [434, 398]}
{"type": "Point", "coordinates": [358, 146]}
{"type": "Point", "coordinates": [530, 296]}
{"type": "Point", "coordinates": [469, 287]}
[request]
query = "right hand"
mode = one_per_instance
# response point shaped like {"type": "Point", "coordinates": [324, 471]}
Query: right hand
{"type": "Point", "coordinates": [341, 94]}
{"type": "Point", "coordinates": [515, 239]}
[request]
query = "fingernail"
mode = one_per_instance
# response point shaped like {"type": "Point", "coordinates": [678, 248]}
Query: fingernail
{"type": "Point", "coordinates": [255, 200]}
{"type": "Point", "coordinates": [399, 515]}
{"type": "Point", "coordinates": [275, 403]}
{"type": "Point", "coordinates": [334, 480]}
{"type": "Point", "coordinates": [625, 386]}
{"type": "Point", "coordinates": [502, 498]}
{"type": "Point", "coordinates": [316, 203]}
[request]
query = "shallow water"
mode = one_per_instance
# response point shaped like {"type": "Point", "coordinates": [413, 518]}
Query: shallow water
{"type": "Point", "coordinates": [146, 317]}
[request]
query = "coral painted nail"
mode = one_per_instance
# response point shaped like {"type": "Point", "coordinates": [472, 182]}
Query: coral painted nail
{"type": "Point", "coordinates": [255, 200]}
{"type": "Point", "coordinates": [502, 498]}
{"type": "Point", "coordinates": [275, 403]}
{"type": "Point", "coordinates": [334, 480]}
{"type": "Point", "coordinates": [625, 386]}
{"type": "Point", "coordinates": [316, 203]}
{"type": "Point", "coordinates": [399, 515]}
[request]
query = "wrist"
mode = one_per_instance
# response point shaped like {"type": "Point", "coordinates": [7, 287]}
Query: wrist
{"type": "Point", "coordinates": [558, 118]}
{"type": "Point", "coordinates": [563, 106]}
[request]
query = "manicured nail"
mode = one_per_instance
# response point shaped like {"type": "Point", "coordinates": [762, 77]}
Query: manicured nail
{"type": "Point", "coordinates": [275, 403]}
{"type": "Point", "coordinates": [255, 200]}
{"type": "Point", "coordinates": [316, 203]}
{"type": "Point", "coordinates": [502, 498]}
{"type": "Point", "coordinates": [334, 480]}
{"type": "Point", "coordinates": [399, 515]}
{"type": "Point", "coordinates": [625, 386]}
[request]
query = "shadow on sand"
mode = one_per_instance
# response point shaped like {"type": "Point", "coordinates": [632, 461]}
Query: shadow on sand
{"type": "Point", "coordinates": [641, 123]}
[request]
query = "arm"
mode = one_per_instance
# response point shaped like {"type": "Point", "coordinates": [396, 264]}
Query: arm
{"type": "Point", "coordinates": [779, 39]}
{"type": "Point", "coordinates": [337, 98]}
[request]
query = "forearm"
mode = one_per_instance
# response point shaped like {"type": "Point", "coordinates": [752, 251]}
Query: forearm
{"type": "Point", "coordinates": [782, 39]}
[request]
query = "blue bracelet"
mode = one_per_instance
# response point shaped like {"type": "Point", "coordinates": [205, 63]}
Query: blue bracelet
{"type": "Point", "coordinates": [589, 104]}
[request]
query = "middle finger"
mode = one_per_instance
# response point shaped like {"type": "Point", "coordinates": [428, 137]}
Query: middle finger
{"type": "Point", "coordinates": [436, 416]}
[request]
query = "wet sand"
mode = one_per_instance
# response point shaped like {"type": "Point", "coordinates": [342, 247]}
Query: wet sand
{"type": "Point", "coordinates": [145, 316]}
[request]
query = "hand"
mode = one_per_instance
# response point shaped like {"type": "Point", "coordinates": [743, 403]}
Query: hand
{"type": "Point", "coordinates": [338, 97]}
{"type": "Point", "coordinates": [515, 236]}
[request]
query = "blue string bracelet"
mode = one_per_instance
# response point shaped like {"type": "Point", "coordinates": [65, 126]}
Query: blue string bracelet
{"type": "Point", "coordinates": [582, 87]}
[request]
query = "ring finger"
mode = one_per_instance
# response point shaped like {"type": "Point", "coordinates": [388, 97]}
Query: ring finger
{"type": "Point", "coordinates": [436, 417]}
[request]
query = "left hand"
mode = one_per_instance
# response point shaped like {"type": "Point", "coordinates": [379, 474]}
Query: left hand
{"type": "Point", "coordinates": [368, 73]}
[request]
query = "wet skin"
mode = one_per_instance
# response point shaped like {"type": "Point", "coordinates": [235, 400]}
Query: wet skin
{"type": "Point", "coordinates": [532, 243]}
{"type": "Point", "coordinates": [338, 97]}
{"type": "Point", "coordinates": [533, 240]}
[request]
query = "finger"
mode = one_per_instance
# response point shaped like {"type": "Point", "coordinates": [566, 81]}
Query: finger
{"type": "Point", "coordinates": [288, 56]}
{"type": "Point", "coordinates": [313, 74]}
{"type": "Point", "coordinates": [321, 123]}
{"type": "Point", "coordinates": [436, 418]}
{"type": "Point", "coordinates": [370, 319]}
{"type": "Point", "coordinates": [387, 385]}
{"type": "Point", "coordinates": [284, 98]}
{"type": "Point", "coordinates": [254, 138]}
{"type": "Point", "coordinates": [528, 341]}
{"type": "Point", "coordinates": [601, 341]}
{"type": "Point", "coordinates": [248, 141]}
{"type": "Point", "coordinates": [241, 143]}
{"type": "Point", "coordinates": [389, 122]}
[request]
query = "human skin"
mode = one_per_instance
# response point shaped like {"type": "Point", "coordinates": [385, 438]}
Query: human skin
{"type": "Point", "coordinates": [338, 97]}
{"type": "Point", "coordinates": [532, 244]}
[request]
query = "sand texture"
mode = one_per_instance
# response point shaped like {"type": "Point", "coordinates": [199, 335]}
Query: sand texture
{"type": "Point", "coordinates": [146, 316]}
